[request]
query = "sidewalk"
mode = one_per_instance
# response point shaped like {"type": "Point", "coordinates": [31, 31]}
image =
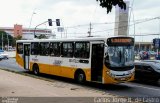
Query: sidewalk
{"type": "Point", "coordinates": [16, 85]}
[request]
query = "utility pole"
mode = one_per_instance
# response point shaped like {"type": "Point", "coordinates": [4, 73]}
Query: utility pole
{"type": "Point", "coordinates": [31, 21]}
{"type": "Point", "coordinates": [2, 41]}
{"type": "Point", "coordinates": [159, 26]}
{"type": "Point", "coordinates": [8, 41]}
{"type": "Point", "coordinates": [158, 37]}
{"type": "Point", "coordinates": [90, 28]}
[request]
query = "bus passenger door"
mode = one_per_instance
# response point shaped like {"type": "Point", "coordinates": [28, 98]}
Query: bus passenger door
{"type": "Point", "coordinates": [26, 55]}
{"type": "Point", "coordinates": [97, 54]}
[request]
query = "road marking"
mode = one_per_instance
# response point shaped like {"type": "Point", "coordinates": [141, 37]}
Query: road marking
{"type": "Point", "coordinates": [141, 86]}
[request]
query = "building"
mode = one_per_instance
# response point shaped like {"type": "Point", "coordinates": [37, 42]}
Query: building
{"type": "Point", "coordinates": [26, 33]}
{"type": "Point", "coordinates": [143, 46]}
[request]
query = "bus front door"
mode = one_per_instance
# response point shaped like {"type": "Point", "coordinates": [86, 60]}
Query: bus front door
{"type": "Point", "coordinates": [97, 62]}
{"type": "Point", "coordinates": [26, 54]}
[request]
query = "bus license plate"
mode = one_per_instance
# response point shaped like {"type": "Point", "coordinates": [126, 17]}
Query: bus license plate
{"type": "Point", "coordinates": [122, 78]}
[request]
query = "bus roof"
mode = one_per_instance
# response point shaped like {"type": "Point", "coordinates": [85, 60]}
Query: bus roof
{"type": "Point", "coordinates": [67, 39]}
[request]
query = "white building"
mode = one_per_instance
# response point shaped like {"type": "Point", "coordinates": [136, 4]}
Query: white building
{"type": "Point", "coordinates": [26, 33]}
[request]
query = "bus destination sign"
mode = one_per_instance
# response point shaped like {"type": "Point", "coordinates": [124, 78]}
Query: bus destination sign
{"type": "Point", "coordinates": [120, 41]}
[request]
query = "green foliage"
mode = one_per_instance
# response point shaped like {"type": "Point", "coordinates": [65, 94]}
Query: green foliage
{"type": "Point", "coordinates": [108, 4]}
{"type": "Point", "coordinates": [41, 37]}
{"type": "Point", "coordinates": [5, 39]}
{"type": "Point", "coordinates": [18, 37]}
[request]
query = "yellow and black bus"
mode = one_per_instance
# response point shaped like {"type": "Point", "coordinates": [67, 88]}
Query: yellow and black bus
{"type": "Point", "coordinates": [95, 59]}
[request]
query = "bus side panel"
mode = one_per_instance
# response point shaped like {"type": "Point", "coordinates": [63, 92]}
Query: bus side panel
{"type": "Point", "coordinates": [66, 67]}
{"type": "Point", "coordinates": [20, 60]}
{"type": "Point", "coordinates": [60, 66]}
{"type": "Point", "coordinates": [55, 70]}
{"type": "Point", "coordinates": [68, 72]}
{"type": "Point", "coordinates": [60, 70]}
{"type": "Point", "coordinates": [44, 68]}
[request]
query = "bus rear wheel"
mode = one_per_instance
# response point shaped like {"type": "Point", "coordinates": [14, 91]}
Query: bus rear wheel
{"type": "Point", "coordinates": [36, 69]}
{"type": "Point", "coordinates": [80, 77]}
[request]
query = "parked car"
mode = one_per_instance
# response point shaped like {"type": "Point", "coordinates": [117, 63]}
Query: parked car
{"type": "Point", "coordinates": [3, 56]}
{"type": "Point", "coordinates": [1, 50]}
{"type": "Point", "coordinates": [148, 70]}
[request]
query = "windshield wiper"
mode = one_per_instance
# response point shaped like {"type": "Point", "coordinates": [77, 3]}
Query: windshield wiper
{"type": "Point", "coordinates": [120, 56]}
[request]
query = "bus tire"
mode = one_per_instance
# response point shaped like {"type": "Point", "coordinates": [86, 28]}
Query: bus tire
{"type": "Point", "coordinates": [80, 76]}
{"type": "Point", "coordinates": [35, 69]}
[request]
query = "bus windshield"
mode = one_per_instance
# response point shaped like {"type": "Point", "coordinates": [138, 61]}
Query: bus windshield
{"type": "Point", "coordinates": [120, 56]}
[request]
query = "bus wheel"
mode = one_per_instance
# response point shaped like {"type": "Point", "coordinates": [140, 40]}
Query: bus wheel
{"type": "Point", "coordinates": [36, 69]}
{"type": "Point", "coordinates": [80, 77]}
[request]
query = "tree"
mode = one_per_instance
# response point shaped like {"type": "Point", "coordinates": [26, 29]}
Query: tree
{"type": "Point", "coordinates": [5, 39]}
{"type": "Point", "coordinates": [108, 4]}
{"type": "Point", "coordinates": [42, 36]}
{"type": "Point", "coordinates": [19, 37]}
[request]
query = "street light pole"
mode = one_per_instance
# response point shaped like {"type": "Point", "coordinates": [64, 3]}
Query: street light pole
{"type": "Point", "coordinates": [8, 41]}
{"type": "Point", "coordinates": [159, 25]}
{"type": "Point", "coordinates": [2, 41]}
{"type": "Point", "coordinates": [133, 20]}
{"type": "Point", "coordinates": [37, 26]}
{"type": "Point", "coordinates": [133, 17]}
{"type": "Point", "coordinates": [31, 20]}
{"type": "Point", "coordinates": [50, 24]}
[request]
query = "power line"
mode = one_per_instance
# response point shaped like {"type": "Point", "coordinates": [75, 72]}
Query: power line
{"type": "Point", "coordinates": [129, 25]}
{"type": "Point", "coordinates": [106, 23]}
{"type": "Point", "coordinates": [146, 34]}
{"type": "Point", "coordinates": [139, 21]}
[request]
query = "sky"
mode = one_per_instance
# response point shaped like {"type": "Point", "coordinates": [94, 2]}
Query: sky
{"type": "Point", "coordinates": [76, 15]}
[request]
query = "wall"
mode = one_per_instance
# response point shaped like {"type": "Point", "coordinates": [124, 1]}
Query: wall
{"type": "Point", "coordinates": [17, 30]}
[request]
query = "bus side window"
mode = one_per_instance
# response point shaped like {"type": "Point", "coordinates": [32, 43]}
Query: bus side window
{"type": "Point", "coordinates": [20, 48]}
{"type": "Point", "coordinates": [35, 48]}
{"type": "Point", "coordinates": [82, 50]}
{"type": "Point", "coordinates": [44, 48]}
{"type": "Point", "coordinates": [55, 49]}
{"type": "Point", "coordinates": [67, 49]}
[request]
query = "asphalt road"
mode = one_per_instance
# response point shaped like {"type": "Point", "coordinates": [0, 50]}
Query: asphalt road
{"type": "Point", "coordinates": [130, 89]}
{"type": "Point", "coordinates": [10, 64]}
